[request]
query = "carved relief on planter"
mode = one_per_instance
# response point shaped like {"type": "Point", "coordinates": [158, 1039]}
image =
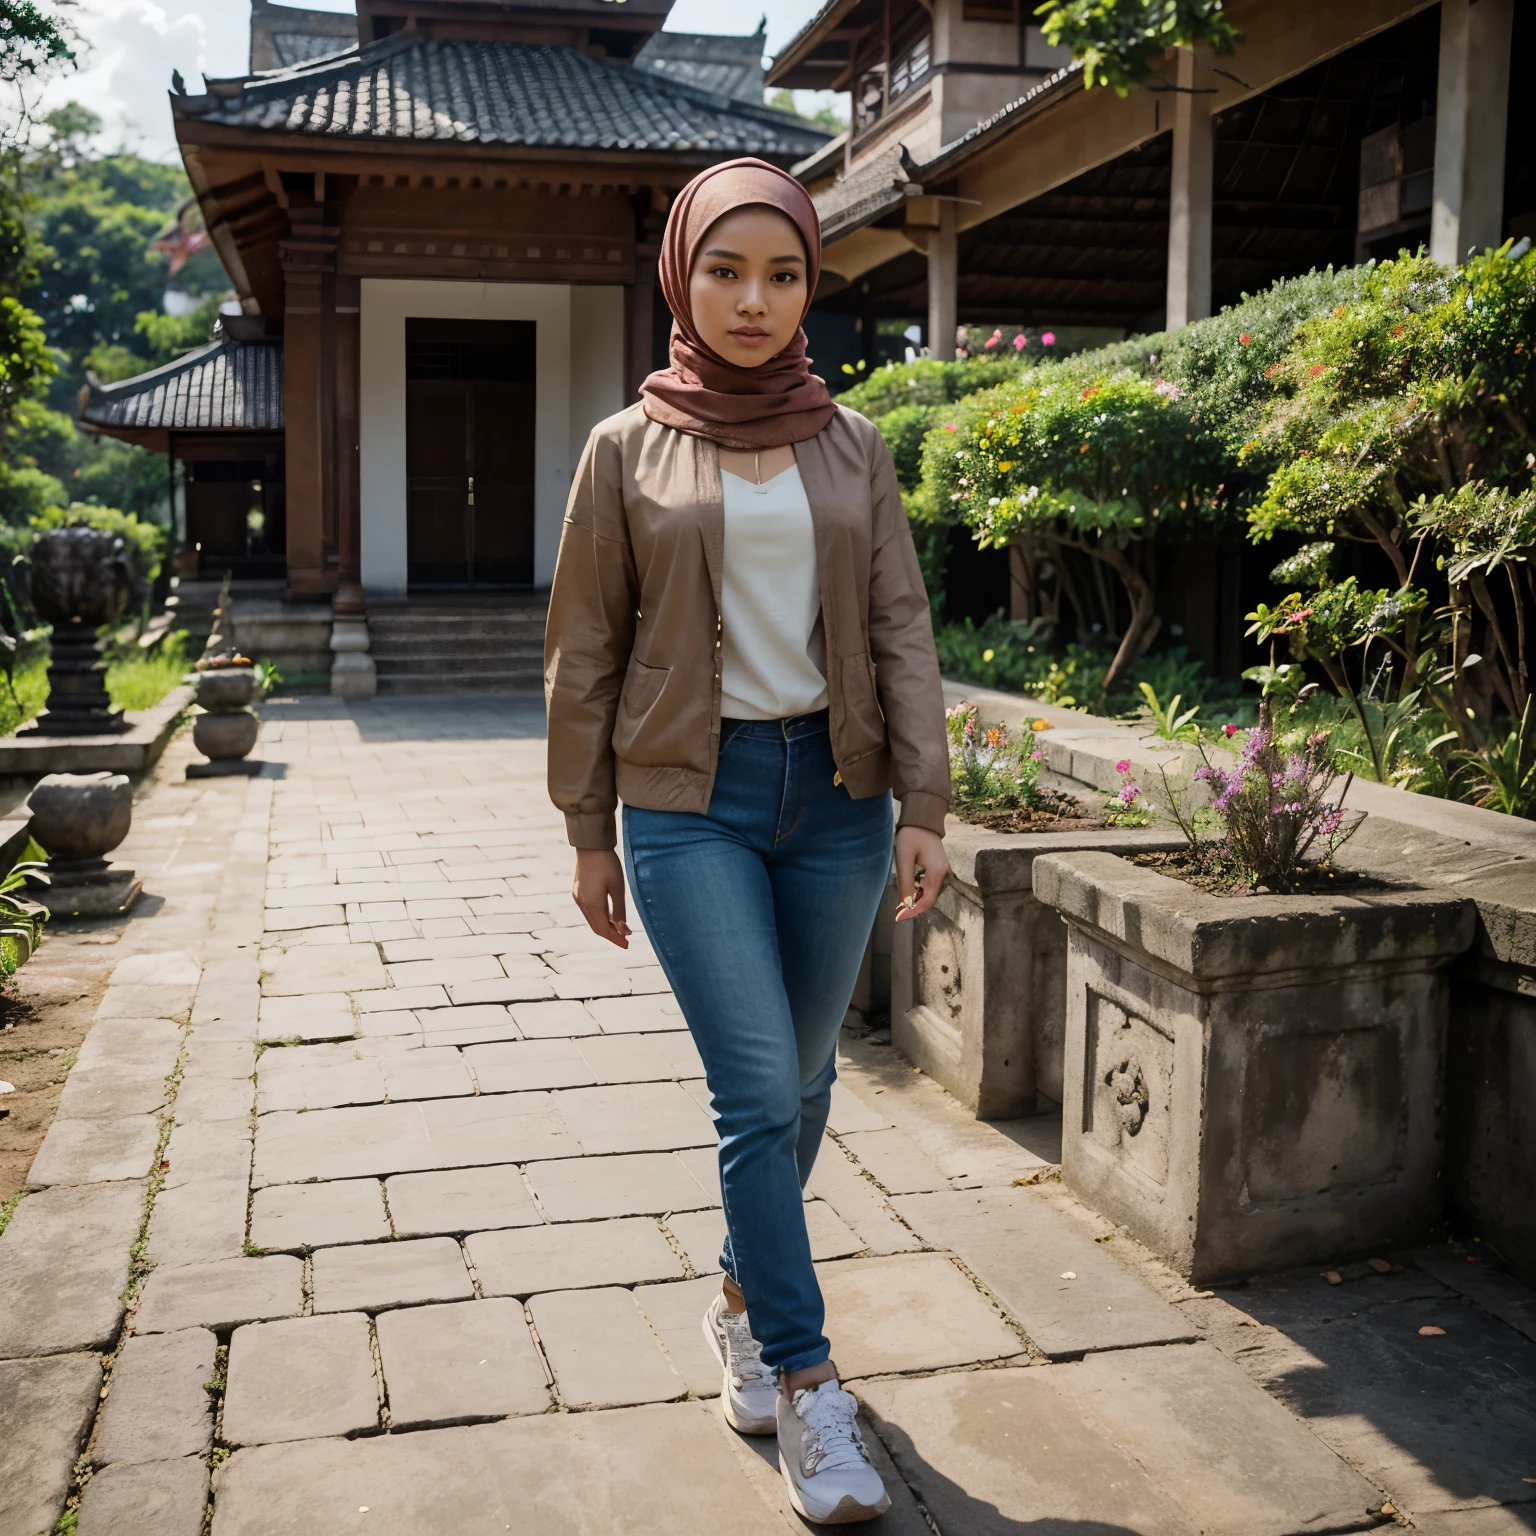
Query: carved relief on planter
{"type": "Point", "coordinates": [978, 983]}
{"type": "Point", "coordinates": [1253, 1082]}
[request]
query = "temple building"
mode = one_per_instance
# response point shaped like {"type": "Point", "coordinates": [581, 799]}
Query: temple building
{"type": "Point", "coordinates": [442, 232]}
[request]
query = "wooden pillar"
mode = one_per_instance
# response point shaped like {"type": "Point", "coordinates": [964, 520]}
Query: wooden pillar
{"type": "Point", "coordinates": [308, 258]}
{"type": "Point", "coordinates": [349, 589]}
{"type": "Point", "coordinates": [1189, 203]}
{"type": "Point", "coordinates": [641, 297]}
{"type": "Point", "coordinates": [1471, 123]}
{"type": "Point", "coordinates": [943, 282]}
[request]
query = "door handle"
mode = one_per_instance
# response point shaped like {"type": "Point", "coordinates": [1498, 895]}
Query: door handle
{"type": "Point", "coordinates": [471, 490]}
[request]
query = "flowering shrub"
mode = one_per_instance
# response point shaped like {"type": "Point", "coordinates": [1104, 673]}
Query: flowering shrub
{"type": "Point", "coordinates": [1127, 806]}
{"type": "Point", "coordinates": [1275, 805]}
{"type": "Point", "coordinates": [988, 769]}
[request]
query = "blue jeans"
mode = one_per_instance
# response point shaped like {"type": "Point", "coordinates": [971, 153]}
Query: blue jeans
{"type": "Point", "coordinates": [759, 911]}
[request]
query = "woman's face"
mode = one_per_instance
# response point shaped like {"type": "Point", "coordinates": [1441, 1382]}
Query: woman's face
{"type": "Point", "coordinates": [747, 287]}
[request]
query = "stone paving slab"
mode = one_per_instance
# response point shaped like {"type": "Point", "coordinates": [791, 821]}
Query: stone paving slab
{"type": "Point", "coordinates": [206, 1096]}
{"type": "Point", "coordinates": [454, 1364]}
{"type": "Point", "coordinates": [208, 1149]}
{"type": "Point", "coordinates": [375, 1275]}
{"type": "Point", "coordinates": [1444, 1422]}
{"type": "Point", "coordinates": [127, 1043]}
{"type": "Point", "coordinates": [169, 968]}
{"type": "Point", "coordinates": [1001, 1453]}
{"type": "Point", "coordinates": [658, 1471]}
{"type": "Point", "coordinates": [635, 1117]}
{"type": "Point", "coordinates": [221, 1295]}
{"type": "Point", "coordinates": [1492, 1521]}
{"type": "Point", "coordinates": [849, 1113]}
{"type": "Point", "coordinates": [111, 1092]}
{"type": "Point", "coordinates": [155, 1498]}
{"type": "Point", "coordinates": [294, 1217]}
{"type": "Point", "coordinates": [517, 1066]}
{"type": "Point", "coordinates": [859, 1204]}
{"type": "Point", "coordinates": [637, 1015]}
{"type": "Point", "coordinates": [636, 1184]}
{"type": "Point", "coordinates": [1193, 1420]}
{"type": "Point", "coordinates": [96, 1151]}
{"type": "Point", "coordinates": [305, 970]}
{"type": "Point", "coordinates": [676, 1315]}
{"type": "Point", "coordinates": [460, 1200]}
{"type": "Point", "coordinates": [602, 1351]}
{"type": "Point", "coordinates": [909, 1312]}
{"type": "Point", "coordinates": [408, 1138]}
{"type": "Point", "coordinates": [46, 1408]}
{"type": "Point", "coordinates": [146, 1000]}
{"type": "Point", "coordinates": [198, 1221]}
{"type": "Point", "coordinates": [64, 1258]}
{"type": "Point", "coordinates": [523, 1260]}
{"type": "Point", "coordinates": [702, 1235]}
{"type": "Point", "coordinates": [562, 1019]}
{"type": "Point", "coordinates": [158, 1408]}
{"type": "Point", "coordinates": [1022, 1248]}
{"type": "Point", "coordinates": [298, 1379]}
{"type": "Point", "coordinates": [898, 1164]}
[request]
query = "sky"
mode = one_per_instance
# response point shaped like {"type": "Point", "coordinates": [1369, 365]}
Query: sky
{"type": "Point", "coordinates": [133, 45]}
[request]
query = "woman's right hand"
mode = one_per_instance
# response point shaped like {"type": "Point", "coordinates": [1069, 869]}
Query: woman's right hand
{"type": "Point", "coordinates": [598, 890]}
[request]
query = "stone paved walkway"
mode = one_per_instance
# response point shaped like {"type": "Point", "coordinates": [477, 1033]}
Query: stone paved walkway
{"type": "Point", "coordinates": [432, 1217]}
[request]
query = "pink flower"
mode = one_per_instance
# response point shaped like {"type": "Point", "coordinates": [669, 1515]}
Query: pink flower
{"type": "Point", "coordinates": [1244, 339]}
{"type": "Point", "coordinates": [1229, 729]}
{"type": "Point", "coordinates": [1123, 766]}
{"type": "Point", "coordinates": [949, 426]}
{"type": "Point", "coordinates": [1037, 757]}
{"type": "Point", "coordinates": [1048, 339]}
{"type": "Point", "coordinates": [993, 340]}
{"type": "Point", "coordinates": [1020, 342]}
{"type": "Point", "coordinates": [1128, 792]}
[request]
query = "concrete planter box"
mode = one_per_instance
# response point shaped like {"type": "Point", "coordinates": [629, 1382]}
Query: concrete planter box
{"type": "Point", "coordinates": [979, 982]}
{"type": "Point", "coordinates": [1253, 1082]}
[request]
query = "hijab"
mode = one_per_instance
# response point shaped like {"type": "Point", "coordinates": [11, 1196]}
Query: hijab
{"type": "Point", "coordinates": [781, 401]}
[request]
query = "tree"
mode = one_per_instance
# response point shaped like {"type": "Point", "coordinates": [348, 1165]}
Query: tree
{"type": "Point", "coordinates": [30, 40]}
{"type": "Point", "coordinates": [1096, 463]}
{"type": "Point", "coordinates": [1119, 42]}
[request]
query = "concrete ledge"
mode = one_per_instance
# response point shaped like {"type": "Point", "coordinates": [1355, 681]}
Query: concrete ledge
{"type": "Point", "coordinates": [29, 754]}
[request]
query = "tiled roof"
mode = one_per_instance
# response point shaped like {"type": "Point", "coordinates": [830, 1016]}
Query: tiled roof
{"type": "Point", "coordinates": [541, 95]}
{"type": "Point", "coordinates": [867, 192]}
{"type": "Point", "coordinates": [301, 47]}
{"type": "Point", "coordinates": [226, 386]}
{"type": "Point", "coordinates": [728, 65]}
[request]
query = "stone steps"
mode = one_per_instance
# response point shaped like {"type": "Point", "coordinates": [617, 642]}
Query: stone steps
{"type": "Point", "coordinates": [445, 647]}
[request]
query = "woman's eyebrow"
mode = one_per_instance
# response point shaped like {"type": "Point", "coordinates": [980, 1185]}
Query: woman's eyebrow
{"type": "Point", "coordinates": [773, 260]}
{"type": "Point", "coordinates": [731, 255]}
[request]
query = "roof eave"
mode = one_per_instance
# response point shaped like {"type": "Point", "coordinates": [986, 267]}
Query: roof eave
{"type": "Point", "coordinates": [808, 37]}
{"type": "Point", "coordinates": [1002, 125]}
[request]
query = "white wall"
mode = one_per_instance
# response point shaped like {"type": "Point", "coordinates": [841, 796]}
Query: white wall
{"type": "Point", "coordinates": [579, 359]}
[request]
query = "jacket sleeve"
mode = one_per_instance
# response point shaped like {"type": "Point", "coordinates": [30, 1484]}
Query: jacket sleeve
{"type": "Point", "coordinates": [906, 664]}
{"type": "Point", "coordinates": [587, 642]}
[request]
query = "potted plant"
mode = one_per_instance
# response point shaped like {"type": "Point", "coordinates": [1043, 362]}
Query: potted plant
{"type": "Point", "coordinates": [1256, 1035]}
{"type": "Point", "coordinates": [978, 983]}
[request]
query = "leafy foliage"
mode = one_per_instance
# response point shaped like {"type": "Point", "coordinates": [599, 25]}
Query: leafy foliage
{"type": "Point", "coordinates": [30, 40]}
{"type": "Point", "coordinates": [1119, 41]}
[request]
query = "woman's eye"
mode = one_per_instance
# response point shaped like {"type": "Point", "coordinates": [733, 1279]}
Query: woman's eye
{"type": "Point", "coordinates": [722, 272]}
{"type": "Point", "coordinates": [784, 277]}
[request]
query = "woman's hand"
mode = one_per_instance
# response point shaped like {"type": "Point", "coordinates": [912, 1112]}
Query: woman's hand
{"type": "Point", "coordinates": [598, 890]}
{"type": "Point", "coordinates": [921, 869]}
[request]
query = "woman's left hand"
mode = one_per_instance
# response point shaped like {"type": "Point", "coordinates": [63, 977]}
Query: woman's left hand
{"type": "Point", "coordinates": [921, 869]}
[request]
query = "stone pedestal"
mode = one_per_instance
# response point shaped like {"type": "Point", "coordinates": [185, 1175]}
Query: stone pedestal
{"type": "Point", "coordinates": [227, 729]}
{"type": "Point", "coordinates": [1253, 1083]}
{"type": "Point", "coordinates": [79, 818]}
{"type": "Point", "coordinates": [78, 702]}
{"type": "Point", "coordinates": [353, 674]}
{"type": "Point", "coordinates": [978, 982]}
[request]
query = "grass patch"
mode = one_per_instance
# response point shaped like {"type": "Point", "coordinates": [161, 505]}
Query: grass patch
{"type": "Point", "coordinates": [30, 682]}
{"type": "Point", "coordinates": [139, 679]}
{"type": "Point", "coordinates": [8, 1208]}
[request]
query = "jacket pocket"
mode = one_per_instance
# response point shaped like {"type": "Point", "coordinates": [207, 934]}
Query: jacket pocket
{"type": "Point", "coordinates": [642, 689]}
{"type": "Point", "coordinates": [863, 724]}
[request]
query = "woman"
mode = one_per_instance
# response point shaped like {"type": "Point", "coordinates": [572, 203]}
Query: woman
{"type": "Point", "coordinates": [739, 648]}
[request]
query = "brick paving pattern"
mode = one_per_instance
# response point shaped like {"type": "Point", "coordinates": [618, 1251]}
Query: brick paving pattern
{"type": "Point", "coordinates": [433, 1218]}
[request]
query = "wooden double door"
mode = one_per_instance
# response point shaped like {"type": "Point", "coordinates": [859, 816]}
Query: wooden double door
{"type": "Point", "coordinates": [469, 424]}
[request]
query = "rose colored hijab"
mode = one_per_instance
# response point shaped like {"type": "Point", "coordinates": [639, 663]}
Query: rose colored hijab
{"type": "Point", "coordinates": [745, 408]}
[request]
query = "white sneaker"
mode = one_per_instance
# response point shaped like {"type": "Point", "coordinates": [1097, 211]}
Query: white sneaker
{"type": "Point", "coordinates": [822, 1457]}
{"type": "Point", "coordinates": [749, 1392]}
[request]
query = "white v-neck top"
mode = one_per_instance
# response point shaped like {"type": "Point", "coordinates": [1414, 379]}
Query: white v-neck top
{"type": "Point", "coordinates": [772, 649]}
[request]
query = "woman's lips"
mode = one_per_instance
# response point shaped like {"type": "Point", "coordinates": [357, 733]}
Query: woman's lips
{"type": "Point", "coordinates": [750, 337]}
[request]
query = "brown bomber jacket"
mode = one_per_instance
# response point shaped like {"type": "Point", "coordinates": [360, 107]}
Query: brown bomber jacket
{"type": "Point", "coordinates": [632, 647]}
